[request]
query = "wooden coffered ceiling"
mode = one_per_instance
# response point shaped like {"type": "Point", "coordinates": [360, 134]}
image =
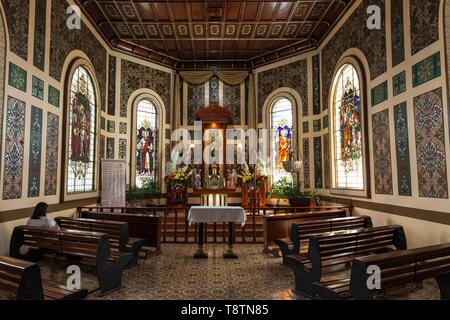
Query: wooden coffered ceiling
{"type": "Point", "coordinates": [214, 34]}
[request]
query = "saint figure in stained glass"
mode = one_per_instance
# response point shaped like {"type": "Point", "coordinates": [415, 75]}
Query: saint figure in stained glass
{"type": "Point", "coordinates": [284, 134]}
{"type": "Point", "coordinates": [145, 148]}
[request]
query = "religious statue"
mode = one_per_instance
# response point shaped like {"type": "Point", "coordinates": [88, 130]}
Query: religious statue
{"type": "Point", "coordinates": [231, 182]}
{"type": "Point", "coordinates": [196, 179]}
{"type": "Point", "coordinates": [284, 135]}
{"type": "Point", "coordinates": [170, 168]}
{"type": "Point", "coordinates": [214, 181]}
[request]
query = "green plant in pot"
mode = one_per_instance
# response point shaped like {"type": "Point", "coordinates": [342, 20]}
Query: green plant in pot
{"type": "Point", "coordinates": [287, 188]}
{"type": "Point", "coordinates": [137, 195]}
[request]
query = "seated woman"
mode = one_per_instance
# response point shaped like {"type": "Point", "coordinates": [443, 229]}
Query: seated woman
{"type": "Point", "coordinates": [39, 218]}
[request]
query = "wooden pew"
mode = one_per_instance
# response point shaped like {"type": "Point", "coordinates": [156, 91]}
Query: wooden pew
{"type": "Point", "coordinates": [397, 269]}
{"type": "Point", "coordinates": [73, 244]}
{"type": "Point", "coordinates": [118, 234]}
{"type": "Point", "coordinates": [302, 230]}
{"type": "Point", "coordinates": [141, 225]}
{"type": "Point", "coordinates": [24, 279]}
{"type": "Point", "coordinates": [277, 226]}
{"type": "Point", "coordinates": [335, 249]}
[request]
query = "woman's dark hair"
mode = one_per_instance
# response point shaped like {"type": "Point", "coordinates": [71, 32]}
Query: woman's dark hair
{"type": "Point", "coordinates": [40, 210]}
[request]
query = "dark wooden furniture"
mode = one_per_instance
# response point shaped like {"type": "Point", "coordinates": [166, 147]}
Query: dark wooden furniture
{"type": "Point", "coordinates": [301, 231]}
{"type": "Point", "coordinates": [73, 244]}
{"type": "Point", "coordinates": [177, 196]}
{"type": "Point", "coordinates": [277, 226]}
{"type": "Point", "coordinates": [141, 225]}
{"type": "Point", "coordinates": [118, 233]}
{"type": "Point", "coordinates": [397, 269]}
{"type": "Point", "coordinates": [335, 249]}
{"type": "Point", "coordinates": [24, 279]}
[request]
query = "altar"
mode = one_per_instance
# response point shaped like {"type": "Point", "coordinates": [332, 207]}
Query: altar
{"type": "Point", "coordinates": [206, 214]}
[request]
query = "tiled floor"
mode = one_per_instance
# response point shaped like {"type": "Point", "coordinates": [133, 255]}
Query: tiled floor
{"type": "Point", "coordinates": [174, 274]}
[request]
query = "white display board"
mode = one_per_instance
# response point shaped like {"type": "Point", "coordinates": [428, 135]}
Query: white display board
{"type": "Point", "coordinates": [114, 183]}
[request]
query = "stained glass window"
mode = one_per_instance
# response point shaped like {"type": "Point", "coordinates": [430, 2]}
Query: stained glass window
{"type": "Point", "coordinates": [281, 123]}
{"type": "Point", "coordinates": [146, 142]}
{"type": "Point", "coordinates": [348, 153]}
{"type": "Point", "coordinates": [82, 130]}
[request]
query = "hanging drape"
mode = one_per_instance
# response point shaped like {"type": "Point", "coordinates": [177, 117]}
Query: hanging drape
{"type": "Point", "coordinates": [196, 77]}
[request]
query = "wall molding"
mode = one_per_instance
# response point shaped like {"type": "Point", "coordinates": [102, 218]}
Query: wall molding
{"type": "Point", "coordinates": [414, 213]}
{"type": "Point", "coordinates": [11, 215]}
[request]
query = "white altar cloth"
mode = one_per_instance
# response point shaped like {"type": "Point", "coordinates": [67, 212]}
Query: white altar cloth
{"type": "Point", "coordinates": [203, 214]}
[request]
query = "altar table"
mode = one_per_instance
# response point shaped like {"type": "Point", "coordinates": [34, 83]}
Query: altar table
{"type": "Point", "coordinates": [203, 214]}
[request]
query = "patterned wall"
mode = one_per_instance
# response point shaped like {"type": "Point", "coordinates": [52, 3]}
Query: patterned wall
{"type": "Point", "coordinates": [135, 76]}
{"type": "Point", "coordinates": [326, 162]}
{"type": "Point", "coordinates": [397, 32]}
{"type": "Point", "coordinates": [293, 75]}
{"type": "Point", "coordinates": [63, 41]}
{"type": "Point", "coordinates": [430, 145]}
{"type": "Point", "coordinates": [424, 23]}
{"type": "Point", "coordinates": [14, 149]}
{"type": "Point", "coordinates": [316, 84]}
{"type": "Point", "coordinates": [17, 18]}
{"type": "Point", "coordinates": [39, 34]}
{"type": "Point", "coordinates": [112, 85]}
{"type": "Point", "coordinates": [370, 42]}
{"type": "Point", "coordinates": [318, 178]}
{"type": "Point", "coordinates": [195, 101]}
{"type": "Point", "coordinates": [232, 101]}
{"type": "Point", "coordinates": [402, 149]}
{"type": "Point", "coordinates": [214, 90]}
{"type": "Point", "coordinates": [34, 164]}
{"type": "Point", "coordinates": [306, 164]}
{"type": "Point", "coordinates": [382, 153]}
{"type": "Point", "coordinates": [51, 160]}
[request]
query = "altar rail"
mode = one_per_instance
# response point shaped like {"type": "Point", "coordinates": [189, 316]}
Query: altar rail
{"type": "Point", "coordinates": [175, 227]}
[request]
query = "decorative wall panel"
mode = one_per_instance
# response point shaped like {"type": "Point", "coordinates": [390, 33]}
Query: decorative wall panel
{"type": "Point", "coordinates": [135, 76]}
{"type": "Point", "coordinates": [17, 77]}
{"type": "Point", "coordinates": [102, 147]}
{"type": "Point", "coordinates": [110, 148]}
{"type": "Point", "coordinates": [293, 75]}
{"type": "Point", "coordinates": [397, 32]}
{"type": "Point", "coordinates": [112, 86]}
{"type": "Point", "coordinates": [195, 102]}
{"type": "Point", "coordinates": [39, 34]}
{"type": "Point", "coordinates": [370, 42]}
{"type": "Point", "coordinates": [214, 90]}
{"type": "Point", "coordinates": [326, 161]}
{"type": "Point", "coordinates": [17, 18]}
{"type": "Point", "coordinates": [232, 101]}
{"type": "Point", "coordinates": [402, 149]}
{"type": "Point", "coordinates": [53, 96]}
{"type": "Point", "coordinates": [424, 23]}
{"type": "Point", "coordinates": [318, 178]}
{"type": "Point", "coordinates": [430, 145]}
{"type": "Point", "coordinates": [37, 89]}
{"type": "Point", "coordinates": [427, 70]}
{"type": "Point", "coordinates": [123, 127]}
{"type": "Point", "coordinates": [305, 127]}
{"type": "Point", "coordinates": [306, 164]}
{"type": "Point", "coordinates": [111, 126]}
{"type": "Point", "coordinates": [34, 165]}
{"type": "Point", "coordinates": [317, 125]}
{"type": "Point", "coordinates": [51, 162]}
{"type": "Point", "coordinates": [63, 41]}
{"type": "Point", "coordinates": [14, 149]}
{"type": "Point", "coordinates": [379, 93]}
{"type": "Point", "coordinates": [122, 149]}
{"type": "Point", "coordinates": [316, 84]}
{"type": "Point", "coordinates": [399, 83]}
{"type": "Point", "coordinates": [382, 153]}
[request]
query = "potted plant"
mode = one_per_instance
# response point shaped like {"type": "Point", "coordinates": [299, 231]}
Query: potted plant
{"type": "Point", "coordinates": [281, 189]}
{"type": "Point", "coordinates": [287, 188]}
{"type": "Point", "coordinates": [137, 195]}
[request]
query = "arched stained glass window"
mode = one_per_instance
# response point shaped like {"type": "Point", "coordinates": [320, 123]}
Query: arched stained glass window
{"type": "Point", "coordinates": [348, 146]}
{"type": "Point", "coordinates": [281, 124]}
{"type": "Point", "coordinates": [82, 130]}
{"type": "Point", "coordinates": [146, 142]}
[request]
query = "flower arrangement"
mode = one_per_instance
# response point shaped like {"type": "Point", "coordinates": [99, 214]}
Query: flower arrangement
{"type": "Point", "coordinates": [181, 176]}
{"type": "Point", "coordinates": [251, 179]}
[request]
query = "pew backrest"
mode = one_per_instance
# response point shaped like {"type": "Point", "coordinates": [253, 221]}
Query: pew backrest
{"type": "Point", "coordinates": [403, 267]}
{"type": "Point", "coordinates": [348, 244]}
{"type": "Point", "coordinates": [302, 230]}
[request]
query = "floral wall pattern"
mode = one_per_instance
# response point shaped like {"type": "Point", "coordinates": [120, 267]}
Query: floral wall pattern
{"type": "Point", "coordinates": [424, 24]}
{"type": "Point", "coordinates": [293, 75]}
{"type": "Point", "coordinates": [51, 161]}
{"type": "Point", "coordinates": [370, 42]}
{"type": "Point", "coordinates": [195, 101]}
{"type": "Point", "coordinates": [122, 149]}
{"type": "Point", "coordinates": [232, 101]}
{"type": "Point", "coordinates": [112, 86]}
{"type": "Point", "coordinates": [214, 90]}
{"type": "Point", "coordinates": [397, 32]}
{"type": "Point", "coordinates": [63, 41]}
{"type": "Point", "coordinates": [17, 18]}
{"type": "Point", "coordinates": [402, 149]}
{"type": "Point", "coordinates": [316, 84]}
{"type": "Point", "coordinates": [39, 34]}
{"type": "Point", "coordinates": [34, 164]}
{"type": "Point", "coordinates": [326, 161]}
{"type": "Point", "coordinates": [14, 149]}
{"type": "Point", "coordinates": [430, 145]}
{"type": "Point", "coordinates": [318, 163]}
{"type": "Point", "coordinates": [136, 76]}
{"type": "Point", "coordinates": [306, 164]}
{"type": "Point", "coordinates": [382, 153]}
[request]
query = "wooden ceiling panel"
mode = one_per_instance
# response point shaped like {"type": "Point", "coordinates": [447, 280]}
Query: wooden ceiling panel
{"type": "Point", "coordinates": [199, 33]}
